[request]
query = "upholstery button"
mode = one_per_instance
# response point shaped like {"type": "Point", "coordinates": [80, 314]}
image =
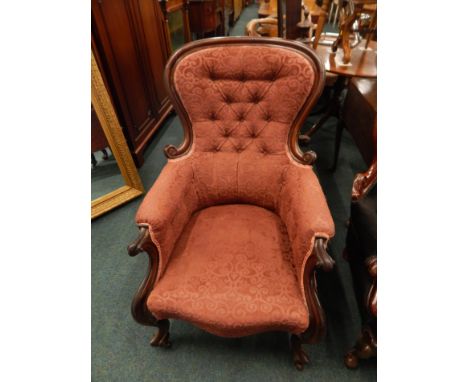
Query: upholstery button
{"type": "Point", "coordinates": [211, 75]}
{"type": "Point", "coordinates": [226, 133]}
{"type": "Point", "coordinates": [253, 135]}
{"type": "Point", "coordinates": [268, 117]}
{"type": "Point", "coordinates": [228, 100]}
{"type": "Point", "coordinates": [241, 118]}
{"type": "Point", "coordinates": [213, 116]}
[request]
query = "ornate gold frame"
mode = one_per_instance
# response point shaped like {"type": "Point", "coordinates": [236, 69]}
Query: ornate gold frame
{"type": "Point", "coordinates": [113, 132]}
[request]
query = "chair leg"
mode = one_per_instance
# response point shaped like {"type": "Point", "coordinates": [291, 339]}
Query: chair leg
{"type": "Point", "coordinates": [300, 357]}
{"type": "Point", "coordinates": [331, 11]}
{"type": "Point", "coordinates": [338, 135]}
{"type": "Point", "coordinates": [161, 338]}
{"type": "Point", "coordinates": [365, 348]}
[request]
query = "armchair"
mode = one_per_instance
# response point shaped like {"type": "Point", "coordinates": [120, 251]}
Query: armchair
{"type": "Point", "coordinates": [236, 225]}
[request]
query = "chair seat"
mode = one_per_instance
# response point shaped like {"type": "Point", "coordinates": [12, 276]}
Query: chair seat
{"type": "Point", "coordinates": [231, 274]}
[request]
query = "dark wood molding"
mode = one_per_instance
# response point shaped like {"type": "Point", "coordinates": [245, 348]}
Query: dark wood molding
{"type": "Point", "coordinates": [366, 347]}
{"type": "Point", "coordinates": [320, 260]}
{"type": "Point", "coordinates": [143, 243]}
{"type": "Point", "coordinates": [371, 264]}
{"type": "Point", "coordinates": [128, 41]}
{"type": "Point", "coordinates": [306, 158]}
{"type": "Point", "coordinates": [293, 16]}
{"type": "Point", "coordinates": [140, 312]}
{"type": "Point", "coordinates": [363, 182]}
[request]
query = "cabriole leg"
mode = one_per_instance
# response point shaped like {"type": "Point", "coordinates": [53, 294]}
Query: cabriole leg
{"type": "Point", "coordinates": [365, 348]}
{"type": "Point", "coordinates": [161, 338]}
{"type": "Point", "coordinates": [300, 357]}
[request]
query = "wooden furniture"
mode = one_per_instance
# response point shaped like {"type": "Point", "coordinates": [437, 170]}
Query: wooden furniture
{"type": "Point", "coordinates": [107, 120]}
{"type": "Point", "coordinates": [207, 17]}
{"type": "Point", "coordinates": [361, 253]}
{"type": "Point", "coordinates": [350, 12]}
{"type": "Point", "coordinates": [268, 8]}
{"type": "Point", "coordinates": [237, 7]}
{"type": "Point", "coordinates": [131, 49]}
{"type": "Point", "coordinates": [236, 226]}
{"type": "Point", "coordinates": [363, 64]}
{"type": "Point", "coordinates": [318, 17]}
{"type": "Point", "coordinates": [274, 9]}
{"type": "Point", "coordinates": [359, 117]}
{"type": "Point", "coordinates": [234, 9]}
{"type": "Point", "coordinates": [264, 27]}
{"type": "Point", "coordinates": [294, 15]}
{"type": "Point", "coordinates": [334, 11]}
{"type": "Point", "coordinates": [176, 23]}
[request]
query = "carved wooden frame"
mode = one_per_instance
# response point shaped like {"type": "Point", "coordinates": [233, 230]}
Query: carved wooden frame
{"type": "Point", "coordinates": [366, 346]}
{"type": "Point", "coordinates": [253, 26]}
{"type": "Point", "coordinates": [113, 132]}
{"type": "Point", "coordinates": [318, 260]}
{"type": "Point", "coordinates": [364, 181]}
{"type": "Point", "coordinates": [306, 158]}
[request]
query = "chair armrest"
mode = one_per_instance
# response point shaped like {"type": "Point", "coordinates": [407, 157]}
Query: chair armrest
{"type": "Point", "coordinates": [304, 211]}
{"type": "Point", "coordinates": [167, 208]}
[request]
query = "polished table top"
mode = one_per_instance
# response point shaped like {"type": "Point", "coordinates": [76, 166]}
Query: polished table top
{"type": "Point", "coordinates": [363, 61]}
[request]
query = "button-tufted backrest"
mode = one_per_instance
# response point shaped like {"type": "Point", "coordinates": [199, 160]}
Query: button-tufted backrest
{"type": "Point", "coordinates": [241, 100]}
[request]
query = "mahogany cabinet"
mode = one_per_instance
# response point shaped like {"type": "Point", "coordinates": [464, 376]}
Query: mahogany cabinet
{"type": "Point", "coordinates": [131, 49]}
{"type": "Point", "coordinates": [207, 16]}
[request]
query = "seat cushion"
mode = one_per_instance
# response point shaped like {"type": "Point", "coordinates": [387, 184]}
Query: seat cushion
{"type": "Point", "coordinates": [231, 274]}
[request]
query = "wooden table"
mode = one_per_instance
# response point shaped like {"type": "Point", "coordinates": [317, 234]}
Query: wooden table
{"type": "Point", "coordinates": [363, 64]}
{"type": "Point", "coordinates": [363, 61]}
{"type": "Point", "coordinates": [268, 9]}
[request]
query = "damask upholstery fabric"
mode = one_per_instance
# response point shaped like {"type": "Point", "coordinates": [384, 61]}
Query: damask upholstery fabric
{"type": "Point", "coordinates": [231, 274]}
{"type": "Point", "coordinates": [241, 101]}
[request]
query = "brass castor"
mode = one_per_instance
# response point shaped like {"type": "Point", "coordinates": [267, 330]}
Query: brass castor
{"type": "Point", "coordinates": [161, 338]}
{"type": "Point", "coordinates": [300, 357]}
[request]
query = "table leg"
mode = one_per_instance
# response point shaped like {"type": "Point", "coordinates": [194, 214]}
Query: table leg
{"type": "Point", "coordinates": [339, 132]}
{"type": "Point", "coordinates": [333, 109]}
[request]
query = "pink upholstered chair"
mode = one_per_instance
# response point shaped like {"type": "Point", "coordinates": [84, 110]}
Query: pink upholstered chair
{"type": "Point", "coordinates": [236, 225]}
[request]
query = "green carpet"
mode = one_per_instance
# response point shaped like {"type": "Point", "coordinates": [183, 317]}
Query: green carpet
{"type": "Point", "coordinates": [120, 346]}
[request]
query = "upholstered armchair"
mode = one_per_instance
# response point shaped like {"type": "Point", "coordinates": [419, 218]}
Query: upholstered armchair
{"type": "Point", "coordinates": [236, 225]}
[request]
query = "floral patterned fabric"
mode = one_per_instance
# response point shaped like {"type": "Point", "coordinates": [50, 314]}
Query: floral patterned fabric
{"type": "Point", "coordinates": [235, 219]}
{"type": "Point", "coordinates": [232, 287]}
